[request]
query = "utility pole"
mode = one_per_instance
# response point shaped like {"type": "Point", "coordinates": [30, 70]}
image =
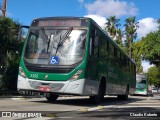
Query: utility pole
{"type": "Point", "coordinates": [4, 8]}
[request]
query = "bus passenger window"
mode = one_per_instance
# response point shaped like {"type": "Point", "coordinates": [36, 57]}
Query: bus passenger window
{"type": "Point", "coordinates": [115, 56]}
{"type": "Point", "coordinates": [94, 43]}
{"type": "Point", "coordinates": [111, 53]}
{"type": "Point", "coordinates": [118, 57]}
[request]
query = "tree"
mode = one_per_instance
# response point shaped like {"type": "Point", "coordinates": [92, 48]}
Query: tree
{"type": "Point", "coordinates": [154, 76]}
{"type": "Point", "coordinates": [10, 47]}
{"type": "Point", "coordinates": [158, 21]}
{"type": "Point", "coordinates": [119, 37]}
{"type": "Point", "coordinates": [151, 48]}
{"type": "Point", "coordinates": [113, 30]}
{"type": "Point", "coordinates": [130, 31]}
{"type": "Point", "coordinates": [112, 25]}
{"type": "Point", "coordinates": [137, 51]}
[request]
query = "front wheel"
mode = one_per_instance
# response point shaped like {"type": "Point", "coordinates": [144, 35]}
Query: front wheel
{"type": "Point", "coordinates": [52, 98]}
{"type": "Point", "coordinates": [100, 96]}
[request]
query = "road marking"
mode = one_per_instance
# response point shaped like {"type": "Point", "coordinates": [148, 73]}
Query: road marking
{"type": "Point", "coordinates": [116, 106]}
{"type": "Point", "coordinates": [144, 103]}
{"type": "Point", "coordinates": [130, 106]}
{"type": "Point", "coordinates": [83, 109]}
{"type": "Point", "coordinates": [100, 107]}
{"type": "Point", "coordinates": [42, 118]}
{"type": "Point", "coordinates": [91, 109]}
{"type": "Point", "coordinates": [18, 98]}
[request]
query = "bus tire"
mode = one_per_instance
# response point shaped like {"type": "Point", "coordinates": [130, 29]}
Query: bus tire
{"type": "Point", "coordinates": [52, 97]}
{"type": "Point", "coordinates": [100, 96]}
{"type": "Point", "coordinates": [125, 96]}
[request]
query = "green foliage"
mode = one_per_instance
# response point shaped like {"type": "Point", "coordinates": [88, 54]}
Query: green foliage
{"type": "Point", "coordinates": [113, 30]}
{"type": "Point", "coordinates": [10, 49]}
{"type": "Point", "coordinates": [158, 22]}
{"type": "Point", "coordinates": [130, 31]}
{"type": "Point", "coordinates": [112, 25]}
{"type": "Point", "coordinates": [119, 37]}
{"type": "Point", "coordinates": [116, 33]}
{"type": "Point", "coordinates": [10, 76]}
{"type": "Point", "coordinates": [137, 56]}
{"type": "Point", "coordinates": [154, 76]}
{"type": "Point", "coordinates": [151, 48]}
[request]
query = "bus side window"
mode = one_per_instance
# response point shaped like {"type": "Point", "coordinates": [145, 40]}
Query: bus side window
{"type": "Point", "coordinates": [127, 65]}
{"type": "Point", "coordinates": [106, 48]}
{"type": "Point", "coordinates": [92, 37]}
{"type": "Point", "coordinates": [134, 67]}
{"type": "Point", "coordinates": [111, 53]}
{"type": "Point", "coordinates": [123, 62]}
{"type": "Point", "coordinates": [115, 56]}
{"type": "Point", "coordinates": [94, 43]}
{"type": "Point", "coordinates": [103, 48]}
{"type": "Point", "coordinates": [32, 47]}
{"type": "Point", "coordinates": [130, 70]}
{"type": "Point", "coordinates": [118, 58]}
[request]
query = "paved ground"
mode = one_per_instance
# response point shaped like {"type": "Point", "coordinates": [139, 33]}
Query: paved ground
{"type": "Point", "coordinates": [80, 108]}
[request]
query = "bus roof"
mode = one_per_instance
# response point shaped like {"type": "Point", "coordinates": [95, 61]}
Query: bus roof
{"type": "Point", "coordinates": [60, 21]}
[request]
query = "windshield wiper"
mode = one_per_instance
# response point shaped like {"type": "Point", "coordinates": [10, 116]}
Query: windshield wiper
{"type": "Point", "coordinates": [64, 38]}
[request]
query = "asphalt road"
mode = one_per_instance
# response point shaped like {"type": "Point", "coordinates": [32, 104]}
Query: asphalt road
{"type": "Point", "coordinates": [80, 108]}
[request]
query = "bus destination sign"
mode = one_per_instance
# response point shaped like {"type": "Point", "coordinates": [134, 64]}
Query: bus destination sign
{"type": "Point", "coordinates": [59, 23]}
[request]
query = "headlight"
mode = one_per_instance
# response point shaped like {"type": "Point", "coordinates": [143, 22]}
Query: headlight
{"type": "Point", "coordinates": [76, 75]}
{"type": "Point", "coordinates": [21, 72]}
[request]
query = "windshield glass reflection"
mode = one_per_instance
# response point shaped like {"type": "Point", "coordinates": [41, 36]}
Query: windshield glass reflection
{"type": "Point", "coordinates": [56, 46]}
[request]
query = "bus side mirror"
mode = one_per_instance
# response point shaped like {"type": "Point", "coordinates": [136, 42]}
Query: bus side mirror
{"type": "Point", "coordinates": [22, 32]}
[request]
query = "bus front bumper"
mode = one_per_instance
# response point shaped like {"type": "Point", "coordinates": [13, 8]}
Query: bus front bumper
{"type": "Point", "coordinates": [75, 87]}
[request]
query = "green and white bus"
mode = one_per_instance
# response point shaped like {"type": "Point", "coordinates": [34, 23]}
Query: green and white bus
{"type": "Point", "coordinates": [141, 84]}
{"type": "Point", "coordinates": [74, 56]}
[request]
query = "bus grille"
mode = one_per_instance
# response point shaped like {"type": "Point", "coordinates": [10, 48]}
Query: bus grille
{"type": "Point", "coordinates": [49, 70]}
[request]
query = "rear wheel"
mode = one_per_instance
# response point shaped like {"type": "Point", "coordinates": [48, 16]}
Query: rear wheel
{"type": "Point", "coordinates": [125, 96]}
{"type": "Point", "coordinates": [52, 98]}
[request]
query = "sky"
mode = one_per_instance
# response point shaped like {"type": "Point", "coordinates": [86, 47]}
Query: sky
{"type": "Point", "coordinates": [145, 11]}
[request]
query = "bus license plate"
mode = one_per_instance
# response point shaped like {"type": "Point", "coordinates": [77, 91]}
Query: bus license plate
{"type": "Point", "coordinates": [34, 93]}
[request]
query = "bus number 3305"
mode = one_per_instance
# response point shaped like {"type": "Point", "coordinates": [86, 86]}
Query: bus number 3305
{"type": "Point", "coordinates": [34, 75]}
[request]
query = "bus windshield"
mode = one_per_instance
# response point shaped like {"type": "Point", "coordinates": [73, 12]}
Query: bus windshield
{"type": "Point", "coordinates": [141, 82]}
{"type": "Point", "coordinates": [55, 46]}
